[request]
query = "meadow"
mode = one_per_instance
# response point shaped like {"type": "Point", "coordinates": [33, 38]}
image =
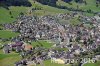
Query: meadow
{"type": "Point", "coordinates": [6, 17]}
{"type": "Point", "coordinates": [7, 34]}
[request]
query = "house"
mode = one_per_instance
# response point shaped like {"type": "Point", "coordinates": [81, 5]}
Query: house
{"type": "Point", "coordinates": [97, 57]}
{"type": "Point", "coordinates": [27, 46]}
{"type": "Point", "coordinates": [6, 48]}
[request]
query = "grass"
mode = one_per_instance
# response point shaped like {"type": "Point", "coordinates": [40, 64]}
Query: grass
{"type": "Point", "coordinates": [60, 49]}
{"type": "Point", "coordinates": [16, 10]}
{"type": "Point", "coordinates": [88, 25]}
{"type": "Point", "coordinates": [93, 64]}
{"type": "Point", "coordinates": [9, 59]}
{"type": "Point", "coordinates": [4, 42]}
{"type": "Point", "coordinates": [4, 16]}
{"type": "Point", "coordinates": [3, 56]}
{"type": "Point", "coordinates": [88, 14]}
{"type": "Point", "coordinates": [48, 63]}
{"type": "Point", "coordinates": [46, 10]}
{"type": "Point", "coordinates": [75, 21]}
{"type": "Point", "coordinates": [7, 34]}
{"type": "Point", "coordinates": [91, 4]}
{"type": "Point", "coordinates": [43, 43]}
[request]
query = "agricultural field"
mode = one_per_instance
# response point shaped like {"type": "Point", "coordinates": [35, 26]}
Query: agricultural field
{"type": "Point", "coordinates": [9, 58]}
{"type": "Point", "coordinates": [7, 34]}
{"type": "Point", "coordinates": [93, 64]}
{"type": "Point", "coordinates": [44, 43]}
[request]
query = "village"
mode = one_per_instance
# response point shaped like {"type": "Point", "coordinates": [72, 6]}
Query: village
{"type": "Point", "coordinates": [75, 41]}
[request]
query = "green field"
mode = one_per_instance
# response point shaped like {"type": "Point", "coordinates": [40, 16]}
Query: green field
{"type": "Point", "coordinates": [5, 17]}
{"type": "Point", "coordinates": [93, 64]}
{"type": "Point", "coordinates": [44, 43]}
{"type": "Point", "coordinates": [9, 59]}
{"type": "Point", "coordinates": [91, 4]}
{"type": "Point", "coordinates": [7, 34]}
{"type": "Point", "coordinates": [48, 63]}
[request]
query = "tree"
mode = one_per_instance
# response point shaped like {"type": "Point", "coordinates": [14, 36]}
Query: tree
{"type": "Point", "coordinates": [21, 13]}
{"type": "Point", "coordinates": [10, 13]}
{"type": "Point", "coordinates": [16, 2]}
{"type": "Point", "coordinates": [67, 1]}
{"type": "Point", "coordinates": [79, 1]}
{"type": "Point", "coordinates": [48, 2]}
{"type": "Point", "coordinates": [98, 1]}
{"type": "Point", "coordinates": [89, 11]}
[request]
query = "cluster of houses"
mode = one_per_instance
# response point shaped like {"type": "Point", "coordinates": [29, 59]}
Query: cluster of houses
{"type": "Point", "coordinates": [77, 39]}
{"type": "Point", "coordinates": [16, 46]}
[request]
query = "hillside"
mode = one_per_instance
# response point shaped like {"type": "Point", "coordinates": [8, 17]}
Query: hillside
{"type": "Point", "coordinates": [9, 15]}
{"type": "Point", "coordinates": [49, 33]}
